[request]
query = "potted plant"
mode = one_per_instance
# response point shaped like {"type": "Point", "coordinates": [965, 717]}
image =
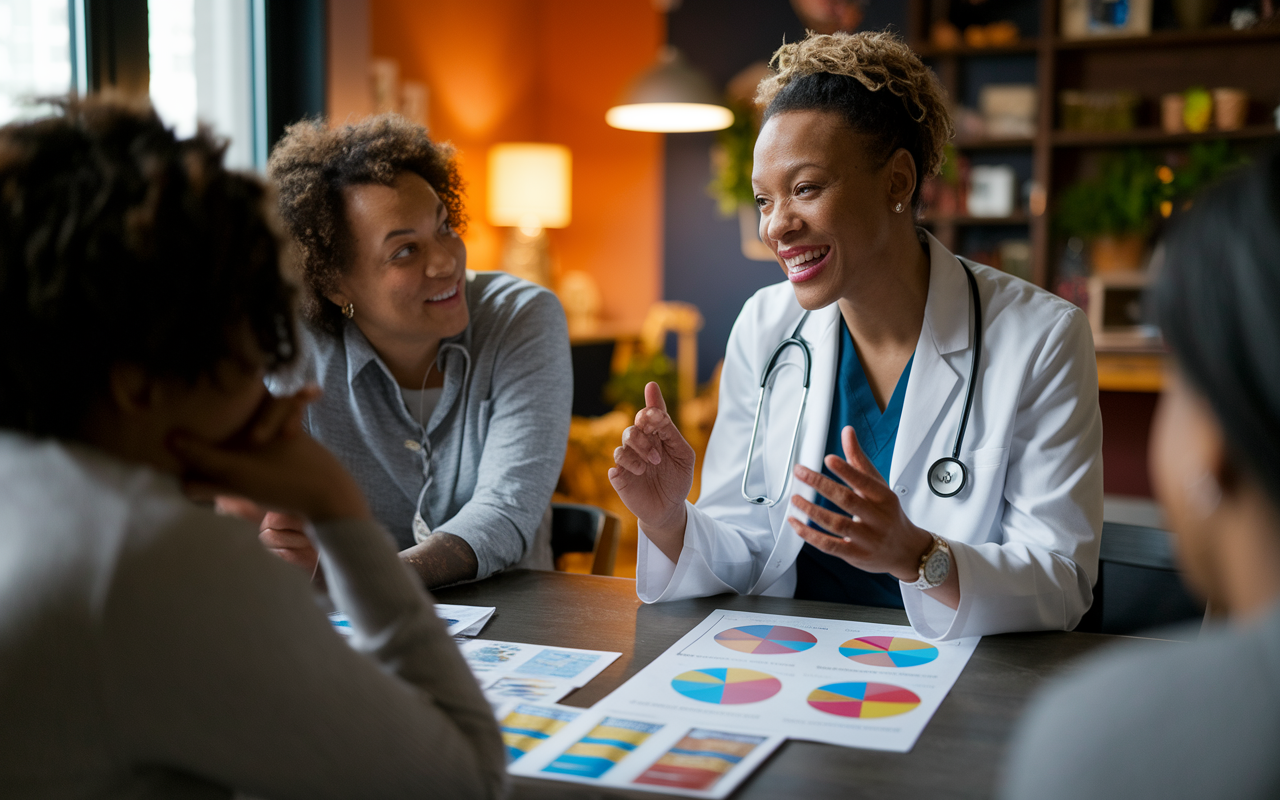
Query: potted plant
{"type": "Point", "coordinates": [1114, 212]}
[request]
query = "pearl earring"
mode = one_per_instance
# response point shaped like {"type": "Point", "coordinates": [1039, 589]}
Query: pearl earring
{"type": "Point", "coordinates": [898, 208]}
{"type": "Point", "coordinates": [349, 310]}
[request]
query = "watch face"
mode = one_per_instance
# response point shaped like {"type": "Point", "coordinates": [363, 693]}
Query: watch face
{"type": "Point", "coordinates": [937, 567]}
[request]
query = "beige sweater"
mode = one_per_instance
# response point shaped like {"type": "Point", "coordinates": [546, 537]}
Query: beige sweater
{"type": "Point", "coordinates": [150, 648]}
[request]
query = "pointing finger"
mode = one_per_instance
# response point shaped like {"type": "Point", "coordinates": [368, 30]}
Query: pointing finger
{"type": "Point", "coordinates": [653, 397]}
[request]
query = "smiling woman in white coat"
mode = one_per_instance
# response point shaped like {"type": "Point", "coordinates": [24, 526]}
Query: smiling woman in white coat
{"type": "Point", "coordinates": [904, 363]}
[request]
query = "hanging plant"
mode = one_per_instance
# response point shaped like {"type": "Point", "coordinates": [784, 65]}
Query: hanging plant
{"type": "Point", "coordinates": [732, 160]}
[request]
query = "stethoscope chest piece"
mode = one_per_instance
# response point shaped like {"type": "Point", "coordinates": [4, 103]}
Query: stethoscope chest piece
{"type": "Point", "coordinates": [947, 477]}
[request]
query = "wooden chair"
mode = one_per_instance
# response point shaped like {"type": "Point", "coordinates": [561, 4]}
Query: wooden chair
{"type": "Point", "coordinates": [580, 528]}
{"type": "Point", "coordinates": [1139, 586]}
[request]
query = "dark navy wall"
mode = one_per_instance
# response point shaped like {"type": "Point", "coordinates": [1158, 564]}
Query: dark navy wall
{"type": "Point", "coordinates": [702, 260]}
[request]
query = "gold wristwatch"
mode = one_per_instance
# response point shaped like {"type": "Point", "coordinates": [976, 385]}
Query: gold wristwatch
{"type": "Point", "coordinates": [935, 565]}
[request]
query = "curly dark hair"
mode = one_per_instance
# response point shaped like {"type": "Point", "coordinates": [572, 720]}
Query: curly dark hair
{"type": "Point", "coordinates": [313, 163]}
{"type": "Point", "coordinates": [875, 83]}
{"type": "Point", "coordinates": [121, 244]}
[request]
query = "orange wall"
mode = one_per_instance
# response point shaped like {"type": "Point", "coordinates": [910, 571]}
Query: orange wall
{"type": "Point", "coordinates": [545, 70]}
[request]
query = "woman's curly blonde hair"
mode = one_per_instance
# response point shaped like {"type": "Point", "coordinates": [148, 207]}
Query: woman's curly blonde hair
{"type": "Point", "coordinates": [916, 118]}
{"type": "Point", "coordinates": [313, 163]}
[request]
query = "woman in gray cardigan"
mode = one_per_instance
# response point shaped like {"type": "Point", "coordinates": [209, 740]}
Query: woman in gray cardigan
{"type": "Point", "coordinates": [447, 393]}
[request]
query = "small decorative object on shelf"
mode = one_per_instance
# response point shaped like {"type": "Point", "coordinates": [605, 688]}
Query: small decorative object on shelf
{"type": "Point", "coordinates": [1194, 15]}
{"type": "Point", "coordinates": [1015, 257]}
{"type": "Point", "coordinates": [1083, 19]}
{"type": "Point", "coordinates": [1008, 110]}
{"type": "Point", "coordinates": [1116, 308]}
{"type": "Point", "coordinates": [1171, 108]}
{"type": "Point", "coordinates": [945, 36]}
{"type": "Point", "coordinates": [997, 34]}
{"type": "Point", "coordinates": [1097, 110]}
{"type": "Point", "coordinates": [991, 190]}
{"type": "Point", "coordinates": [1230, 107]}
{"type": "Point", "coordinates": [1243, 18]}
{"type": "Point", "coordinates": [1197, 112]}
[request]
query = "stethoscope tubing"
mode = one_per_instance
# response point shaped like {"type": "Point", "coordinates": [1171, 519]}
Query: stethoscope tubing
{"type": "Point", "coordinates": [796, 340]}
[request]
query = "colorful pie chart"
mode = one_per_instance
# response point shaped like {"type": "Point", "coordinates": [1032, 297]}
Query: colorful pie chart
{"type": "Point", "coordinates": [761, 640]}
{"type": "Point", "coordinates": [888, 651]}
{"type": "Point", "coordinates": [865, 700]}
{"type": "Point", "coordinates": [726, 685]}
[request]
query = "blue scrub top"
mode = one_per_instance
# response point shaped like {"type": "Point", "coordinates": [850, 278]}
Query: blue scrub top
{"type": "Point", "coordinates": [824, 577]}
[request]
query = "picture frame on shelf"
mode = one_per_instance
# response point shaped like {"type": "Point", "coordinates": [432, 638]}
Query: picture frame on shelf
{"type": "Point", "coordinates": [1087, 19]}
{"type": "Point", "coordinates": [1116, 302]}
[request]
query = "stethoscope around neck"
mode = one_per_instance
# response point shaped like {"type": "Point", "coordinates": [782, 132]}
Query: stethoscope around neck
{"type": "Point", "coordinates": [948, 475]}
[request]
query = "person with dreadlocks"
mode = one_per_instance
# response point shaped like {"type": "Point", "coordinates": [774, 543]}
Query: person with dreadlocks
{"type": "Point", "coordinates": [940, 418]}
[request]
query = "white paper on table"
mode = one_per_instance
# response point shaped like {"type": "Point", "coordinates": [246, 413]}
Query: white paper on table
{"type": "Point", "coordinates": [649, 752]}
{"type": "Point", "coordinates": [490, 659]}
{"type": "Point", "coordinates": [462, 620]}
{"type": "Point", "coordinates": [799, 677]}
{"type": "Point", "coordinates": [512, 671]}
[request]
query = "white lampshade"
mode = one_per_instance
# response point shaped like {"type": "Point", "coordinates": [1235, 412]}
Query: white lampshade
{"type": "Point", "coordinates": [529, 185]}
{"type": "Point", "coordinates": [670, 97]}
{"type": "Point", "coordinates": [669, 117]}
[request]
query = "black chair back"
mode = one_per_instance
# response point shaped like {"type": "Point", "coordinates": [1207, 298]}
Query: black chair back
{"type": "Point", "coordinates": [1139, 586]}
{"type": "Point", "coordinates": [574, 528]}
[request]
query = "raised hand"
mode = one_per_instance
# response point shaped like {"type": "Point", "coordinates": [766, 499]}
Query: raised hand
{"type": "Point", "coordinates": [873, 533]}
{"type": "Point", "coordinates": [654, 473]}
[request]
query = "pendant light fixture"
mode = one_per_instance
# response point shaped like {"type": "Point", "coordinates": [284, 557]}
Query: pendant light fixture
{"type": "Point", "coordinates": [670, 97]}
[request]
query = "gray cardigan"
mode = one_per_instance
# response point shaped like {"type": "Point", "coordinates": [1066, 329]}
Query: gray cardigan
{"type": "Point", "coordinates": [492, 450]}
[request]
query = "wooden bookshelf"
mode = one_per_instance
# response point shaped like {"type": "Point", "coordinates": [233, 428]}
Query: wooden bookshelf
{"type": "Point", "coordinates": [1165, 61]}
{"type": "Point", "coordinates": [1156, 136]}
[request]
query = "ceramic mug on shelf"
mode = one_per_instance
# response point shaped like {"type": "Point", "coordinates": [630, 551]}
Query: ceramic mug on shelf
{"type": "Point", "coordinates": [1171, 106]}
{"type": "Point", "coordinates": [1230, 108]}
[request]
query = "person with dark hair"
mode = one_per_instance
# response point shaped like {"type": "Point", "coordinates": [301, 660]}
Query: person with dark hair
{"type": "Point", "coordinates": [941, 417]}
{"type": "Point", "coordinates": [148, 646]}
{"type": "Point", "coordinates": [447, 393]}
{"type": "Point", "coordinates": [1201, 719]}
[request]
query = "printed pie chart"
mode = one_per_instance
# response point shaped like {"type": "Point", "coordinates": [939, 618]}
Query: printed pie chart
{"type": "Point", "coordinates": [888, 651]}
{"type": "Point", "coordinates": [726, 686]}
{"type": "Point", "coordinates": [865, 700]}
{"type": "Point", "coordinates": [760, 640]}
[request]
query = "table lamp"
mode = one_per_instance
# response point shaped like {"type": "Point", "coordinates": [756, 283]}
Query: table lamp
{"type": "Point", "coordinates": [529, 191]}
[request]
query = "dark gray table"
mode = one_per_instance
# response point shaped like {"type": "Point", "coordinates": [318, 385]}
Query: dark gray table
{"type": "Point", "coordinates": [958, 755]}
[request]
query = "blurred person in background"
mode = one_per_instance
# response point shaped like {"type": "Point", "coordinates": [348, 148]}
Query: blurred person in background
{"type": "Point", "coordinates": [1201, 719]}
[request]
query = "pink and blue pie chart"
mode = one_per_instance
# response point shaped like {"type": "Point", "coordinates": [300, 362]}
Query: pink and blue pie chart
{"type": "Point", "coordinates": [888, 651]}
{"type": "Point", "coordinates": [766, 640]}
{"type": "Point", "coordinates": [863, 700]}
{"type": "Point", "coordinates": [726, 686]}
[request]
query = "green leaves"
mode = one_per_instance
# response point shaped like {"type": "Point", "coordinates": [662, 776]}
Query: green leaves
{"type": "Point", "coordinates": [1134, 188]}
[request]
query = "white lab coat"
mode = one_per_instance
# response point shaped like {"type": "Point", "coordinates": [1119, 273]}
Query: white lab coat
{"type": "Point", "coordinates": [1023, 533]}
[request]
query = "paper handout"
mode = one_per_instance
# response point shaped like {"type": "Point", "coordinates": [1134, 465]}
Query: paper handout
{"type": "Point", "coordinates": [511, 671]}
{"type": "Point", "coordinates": [462, 620]}
{"type": "Point", "coordinates": [648, 752]}
{"type": "Point", "coordinates": [856, 684]}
